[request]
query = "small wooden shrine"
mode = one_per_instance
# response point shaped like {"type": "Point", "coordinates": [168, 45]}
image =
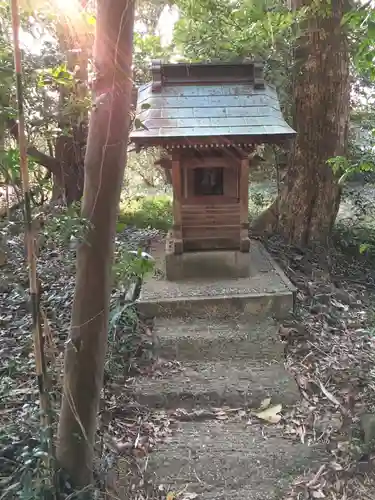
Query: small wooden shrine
{"type": "Point", "coordinates": [208, 118]}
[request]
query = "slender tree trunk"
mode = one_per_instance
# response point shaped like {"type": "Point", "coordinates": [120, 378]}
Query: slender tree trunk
{"type": "Point", "coordinates": [309, 201]}
{"type": "Point", "coordinates": [104, 169]}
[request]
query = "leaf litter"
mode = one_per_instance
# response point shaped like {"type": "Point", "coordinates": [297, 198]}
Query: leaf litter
{"type": "Point", "coordinates": [126, 429]}
{"type": "Point", "coordinates": [329, 349]}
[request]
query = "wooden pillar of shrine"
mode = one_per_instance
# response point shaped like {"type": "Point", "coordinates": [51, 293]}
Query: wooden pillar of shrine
{"type": "Point", "coordinates": [177, 199]}
{"type": "Point", "coordinates": [244, 204]}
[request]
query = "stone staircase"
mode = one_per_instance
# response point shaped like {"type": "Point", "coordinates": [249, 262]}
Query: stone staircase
{"type": "Point", "coordinates": [230, 356]}
{"type": "Point", "coordinates": [223, 362]}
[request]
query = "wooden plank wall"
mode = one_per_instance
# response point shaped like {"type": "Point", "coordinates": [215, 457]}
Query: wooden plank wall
{"type": "Point", "coordinates": [211, 222]}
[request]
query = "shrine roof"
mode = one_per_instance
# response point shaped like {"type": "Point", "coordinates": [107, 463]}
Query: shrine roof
{"type": "Point", "coordinates": [208, 100]}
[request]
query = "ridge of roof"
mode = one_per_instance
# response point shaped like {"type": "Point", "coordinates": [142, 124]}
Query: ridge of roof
{"type": "Point", "coordinates": [185, 73]}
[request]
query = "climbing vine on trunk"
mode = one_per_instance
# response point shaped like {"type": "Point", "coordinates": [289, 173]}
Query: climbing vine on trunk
{"type": "Point", "coordinates": [104, 169]}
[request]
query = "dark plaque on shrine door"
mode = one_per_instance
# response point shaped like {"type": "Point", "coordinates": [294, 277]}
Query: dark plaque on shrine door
{"type": "Point", "coordinates": [209, 181]}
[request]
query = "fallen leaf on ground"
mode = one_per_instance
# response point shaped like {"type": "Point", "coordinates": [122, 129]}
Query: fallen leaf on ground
{"type": "Point", "coordinates": [318, 494]}
{"type": "Point", "coordinates": [222, 417]}
{"type": "Point", "coordinates": [328, 394]}
{"type": "Point", "coordinates": [271, 414]}
{"type": "Point", "coordinates": [265, 403]}
{"type": "Point", "coordinates": [286, 333]}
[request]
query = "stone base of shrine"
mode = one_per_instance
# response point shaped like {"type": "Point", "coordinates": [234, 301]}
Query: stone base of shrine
{"type": "Point", "coordinates": [218, 264]}
{"type": "Point", "coordinates": [265, 291]}
{"type": "Point", "coordinates": [213, 263]}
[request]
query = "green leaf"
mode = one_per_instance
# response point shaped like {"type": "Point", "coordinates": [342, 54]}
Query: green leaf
{"type": "Point", "coordinates": [366, 167]}
{"type": "Point", "coordinates": [120, 226]}
{"type": "Point", "coordinates": [139, 124]}
{"type": "Point", "coordinates": [363, 247]}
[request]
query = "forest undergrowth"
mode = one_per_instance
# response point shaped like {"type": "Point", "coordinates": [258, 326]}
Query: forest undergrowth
{"type": "Point", "coordinates": [22, 453]}
{"type": "Point", "coordinates": [329, 349]}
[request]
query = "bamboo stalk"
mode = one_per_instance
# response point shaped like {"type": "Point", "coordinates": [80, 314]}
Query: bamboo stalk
{"type": "Point", "coordinates": [44, 401]}
{"type": "Point", "coordinates": [7, 200]}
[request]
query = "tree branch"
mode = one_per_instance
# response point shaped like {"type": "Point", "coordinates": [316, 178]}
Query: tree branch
{"type": "Point", "coordinates": [50, 163]}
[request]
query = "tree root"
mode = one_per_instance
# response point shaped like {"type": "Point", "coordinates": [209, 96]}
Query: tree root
{"type": "Point", "coordinates": [267, 222]}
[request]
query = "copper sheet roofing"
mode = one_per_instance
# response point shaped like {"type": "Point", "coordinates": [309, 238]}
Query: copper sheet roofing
{"type": "Point", "coordinates": [206, 100]}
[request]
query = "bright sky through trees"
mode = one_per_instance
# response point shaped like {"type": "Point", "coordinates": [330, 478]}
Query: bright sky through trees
{"type": "Point", "coordinates": [70, 9]}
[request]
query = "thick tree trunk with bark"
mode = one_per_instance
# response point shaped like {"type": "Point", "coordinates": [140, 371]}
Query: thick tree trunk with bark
{"type": "Point", "coordinates": [104, 168]}
{"type": "Point", "coordinates": [307, 206]}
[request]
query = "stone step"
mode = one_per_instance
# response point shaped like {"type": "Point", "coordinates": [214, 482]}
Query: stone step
{"type": "Point", "coordinates": [233, 383]}
{"type": "Point", "coordinates": [230, 461]}
{"type": "Point", "coordinates": [196, 339]}
{"type": "Point", "coordinates": [251, 304]}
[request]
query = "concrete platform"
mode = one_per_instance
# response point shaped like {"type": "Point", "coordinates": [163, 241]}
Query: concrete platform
{"type": "Point", "coordinates": [267, 292]}
{"type": "Point", "coordinates": [230, 461]}
{"type": "Point", "coordinates": [196, 339]}
{"type": "Point", "coordinates": [234, 383]}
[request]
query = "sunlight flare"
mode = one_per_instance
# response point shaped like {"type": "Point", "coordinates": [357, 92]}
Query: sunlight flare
{"type": "Point", "coordinates": [69, 8]}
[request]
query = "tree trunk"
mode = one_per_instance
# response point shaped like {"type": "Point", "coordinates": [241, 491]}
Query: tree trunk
{"type": "Point", "coordinates": [70, 148]}
{"type": "Point", "coordinates": [307, 206]}
{"type": "Point", "coordinates": [69, 156]}
{"type": "Point", "coordinates": [104, 169]}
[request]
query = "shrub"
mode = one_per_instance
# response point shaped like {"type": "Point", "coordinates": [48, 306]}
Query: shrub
{"type": "Point", "coordinates": [147, 212]}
